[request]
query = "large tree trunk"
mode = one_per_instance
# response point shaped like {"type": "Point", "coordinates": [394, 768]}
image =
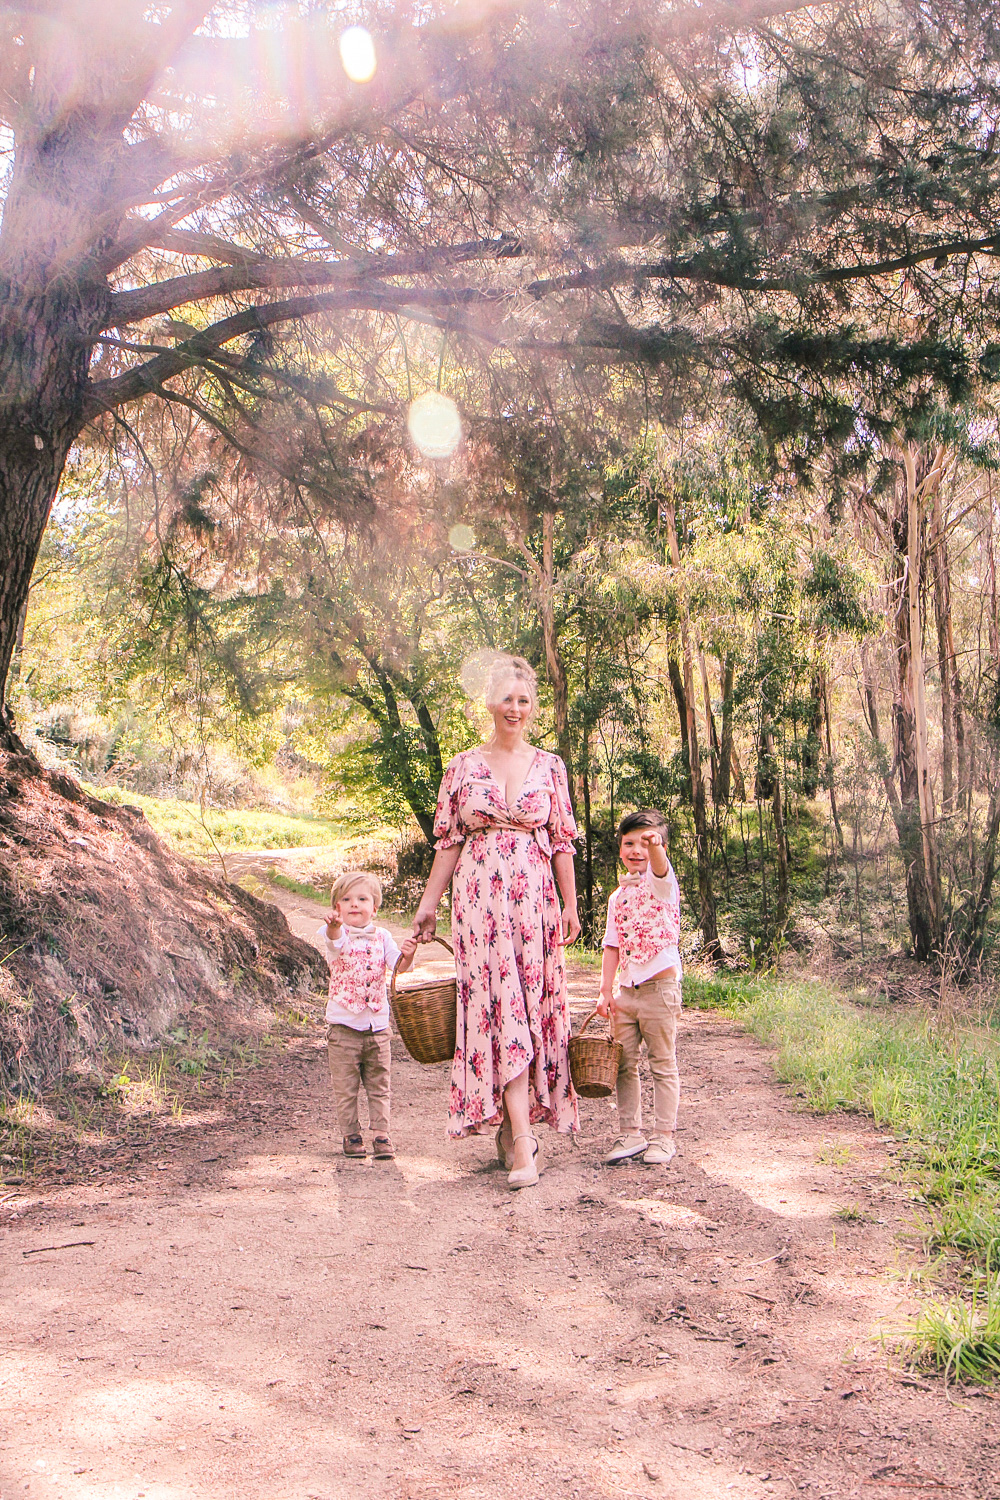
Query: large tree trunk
{"type": "Point", "coordinates": [708, 922]}
{"type": "Point", "coordinates": [53, 302]}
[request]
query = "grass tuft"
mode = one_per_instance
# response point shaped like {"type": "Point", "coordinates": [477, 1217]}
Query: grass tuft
{"type": "Point", "coordinates": [961, 1336]}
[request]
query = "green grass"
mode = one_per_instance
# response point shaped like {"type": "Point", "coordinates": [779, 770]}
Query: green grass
{"type": "Point", "coordinates": [182, 825]}
{"type": "Point", "coordinates": [937, 1089]}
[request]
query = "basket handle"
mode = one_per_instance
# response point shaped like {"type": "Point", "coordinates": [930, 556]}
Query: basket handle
{"type": "Point", "coordinates": [392, 986]}
{"type": "Point", "coordinates": [593, 1013]}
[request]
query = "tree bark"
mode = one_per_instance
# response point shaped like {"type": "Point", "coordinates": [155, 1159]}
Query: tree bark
{"type": "Point", "coordinates": [829, 758]}
{"type": "Point", "coordinates": [953, 757]}
{"type": "Point", "coordinates": [680, 699]}
{"type": "Point", "coordinates": [713, 737]}
{"type": "Point", "coordinates": [708, 922]}
{"type": "Point", "coordinates": [929, 882]}
{"type": "Point", "coordinates": [724, 784]}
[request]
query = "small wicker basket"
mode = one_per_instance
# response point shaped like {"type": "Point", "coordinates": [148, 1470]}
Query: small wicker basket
{"type": "Point", "coordinates": [594, 1062]}
{"type": "Point", "coordinates": [425, 1016]}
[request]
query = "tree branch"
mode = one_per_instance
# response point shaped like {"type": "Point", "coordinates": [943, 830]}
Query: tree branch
{"type": "Point", "coordinates": [617, 273]}
{"type": "Point", "coordinates": [107, 394]}
{"type": "Point", "coordinates": [274, 275]}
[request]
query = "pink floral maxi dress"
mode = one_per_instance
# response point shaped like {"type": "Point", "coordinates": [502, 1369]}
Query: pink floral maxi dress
{"type": "Point", "coordinates": [513, 1007]}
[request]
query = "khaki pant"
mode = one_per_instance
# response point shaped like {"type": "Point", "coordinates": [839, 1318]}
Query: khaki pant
{"type": "Point", "coordinates": [649, 1013]}
{"type": "Point", "coordinates": [359, 1059]}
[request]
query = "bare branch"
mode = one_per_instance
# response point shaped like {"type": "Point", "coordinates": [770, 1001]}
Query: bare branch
{"type": "Point", "coordinates": [105, 395]}
{"type": "Point", "coordinates": [164, 296]}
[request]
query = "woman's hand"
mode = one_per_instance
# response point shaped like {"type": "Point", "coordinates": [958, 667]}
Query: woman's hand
{"type": "Point", "coordinates": [570, 925]}
{"type": "Point", "coordinates": [424, 925]}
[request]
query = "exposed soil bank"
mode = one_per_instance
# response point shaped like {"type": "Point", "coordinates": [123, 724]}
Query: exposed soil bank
{"type": "Point", "coordinates": [107, 939]}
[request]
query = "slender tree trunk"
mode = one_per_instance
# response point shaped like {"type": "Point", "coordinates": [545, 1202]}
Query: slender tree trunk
{"type": "Point", "coordinates": [708, 923]}
{"type": "Point", "coordinates": [724, 784]}
{"type": "Point", "coordinates": [680, 699]}
{"type": "Point", "coordinates": [930, 896]}
{"type": "Point", "coordinates": [954, 773]}
{"type": "Point", "coordinates": [713, 738]}
{"type": "Point", "coordinates": [781, 849]}
{"type": "Point", "coordinates": [588, 827]}
{"type": "Point", "coordinates": [831, 778]}
{"type": "Point", "coordinates": [739, 783]}
{"type": "Point", "coordinates": [812, 749]}
{"type": "Point", "coordinates": [544, 577]}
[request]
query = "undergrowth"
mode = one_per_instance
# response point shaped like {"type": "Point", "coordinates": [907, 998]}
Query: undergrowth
{"type": "Point", "coordinates": [935, 1084]}
{"type": "Point", "coordinates": [192, 831]}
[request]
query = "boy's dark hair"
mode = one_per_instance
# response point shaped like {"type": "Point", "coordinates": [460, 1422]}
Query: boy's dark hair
{"type": "Point", "coordinates": [644, 817]}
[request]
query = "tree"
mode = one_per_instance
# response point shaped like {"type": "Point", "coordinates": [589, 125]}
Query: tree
{"type": "Point", "coordinates": [177, 228]}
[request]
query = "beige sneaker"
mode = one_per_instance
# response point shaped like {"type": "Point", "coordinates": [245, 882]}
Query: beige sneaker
{"type": "Point", "coordinates": [660, 1152]}
{"type": "Point", "coordinates": [625, 1148]}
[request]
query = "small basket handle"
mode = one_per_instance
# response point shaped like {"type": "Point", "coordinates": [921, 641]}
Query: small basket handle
{"type": "Point", "coordinates": [593, 1013]}
{"type": "Point", "coordinates": [392, 986]}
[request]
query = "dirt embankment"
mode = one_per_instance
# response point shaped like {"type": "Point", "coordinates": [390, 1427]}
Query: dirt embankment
{"type": "Point", "coordinates": [107, 939]}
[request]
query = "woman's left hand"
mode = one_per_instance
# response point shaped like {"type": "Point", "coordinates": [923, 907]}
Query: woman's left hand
{"type": "Point", "coordinates": [570, 925]}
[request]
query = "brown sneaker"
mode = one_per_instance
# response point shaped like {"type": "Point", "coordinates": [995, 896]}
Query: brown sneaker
{"type": "Point", "coordinates": [382, 1148]}
{"type": "Point", "coordinates": [354, 1146]}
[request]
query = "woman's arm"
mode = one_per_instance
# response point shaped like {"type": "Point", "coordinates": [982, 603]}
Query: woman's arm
{"type": "Point", "coordinates": [443, 868]}
{"type": "Point", "coordinates": [565, 872]}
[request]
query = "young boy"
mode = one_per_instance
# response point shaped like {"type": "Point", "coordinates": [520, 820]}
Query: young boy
{"type": "Point", "coordinates": [361, 958]}
{"type": "Point", "coordinates": [640, 945]}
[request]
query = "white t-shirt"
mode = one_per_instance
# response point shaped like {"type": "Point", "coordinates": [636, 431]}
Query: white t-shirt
{"type": "Point", "coordinates": [368, 1020]}
{"type": "Point", "coordinates": [666, 888]}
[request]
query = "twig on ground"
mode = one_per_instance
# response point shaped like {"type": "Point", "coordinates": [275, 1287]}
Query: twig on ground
{"type": "Point", "coordinates": [70, 1245]}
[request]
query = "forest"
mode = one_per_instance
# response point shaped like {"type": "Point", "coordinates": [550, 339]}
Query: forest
{"type": "Point", "coordinates": [678, 380]}
{"type": "Point", "coordinates": [344, 346]}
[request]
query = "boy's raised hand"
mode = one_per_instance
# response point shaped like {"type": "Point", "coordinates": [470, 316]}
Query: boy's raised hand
{"type": "Point", "coordinates": [408, 947]}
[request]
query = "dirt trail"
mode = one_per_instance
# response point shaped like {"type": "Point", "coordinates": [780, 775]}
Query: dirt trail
{"type": "Point", "coordinates": [258, 1317]}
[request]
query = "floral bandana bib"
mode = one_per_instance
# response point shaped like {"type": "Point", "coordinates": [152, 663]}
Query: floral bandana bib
{"type": "Point", "coordinates": [357, 972]}
{"type": "Point", "coordinates": [646, 924]}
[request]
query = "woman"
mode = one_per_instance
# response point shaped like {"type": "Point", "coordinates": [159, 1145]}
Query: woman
{"type": "Point", "coordinates": [504, 823]}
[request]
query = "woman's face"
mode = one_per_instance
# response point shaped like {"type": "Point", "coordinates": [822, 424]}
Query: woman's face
{"type": "Point", "coordinates": [513, 707]}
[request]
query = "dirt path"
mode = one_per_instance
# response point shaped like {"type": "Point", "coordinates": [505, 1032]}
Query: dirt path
{"type": "Point", "coordinates": [250, 1315]}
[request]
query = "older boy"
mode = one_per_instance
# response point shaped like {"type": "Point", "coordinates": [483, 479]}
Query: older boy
{"type": "Point", "coordinates": [640, 945]}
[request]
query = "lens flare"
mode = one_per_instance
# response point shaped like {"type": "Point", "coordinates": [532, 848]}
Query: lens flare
{"type": "Point", "coordinates": [435, 425]}
{"type": "Point", "coordinates": [357, 53]}
{"type": "Point", "coordinates": [462, 537]}
{"type": "Point", "coordinates": [475, 671]}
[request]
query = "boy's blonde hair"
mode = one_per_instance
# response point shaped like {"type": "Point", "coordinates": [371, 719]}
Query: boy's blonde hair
{"type": "Point", "coordinates": [350, 878]}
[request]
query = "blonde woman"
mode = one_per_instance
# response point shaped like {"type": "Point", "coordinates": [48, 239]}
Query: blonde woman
{"type": "Point", "coordinates": [505, 832]}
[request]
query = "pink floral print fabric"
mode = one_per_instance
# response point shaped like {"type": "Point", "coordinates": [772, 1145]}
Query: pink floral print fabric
{"type": "Point", "coordinates": [513, 1006]}
{"type": "Point", "coordinates": [357, 973]}
{"type": "Point", "coordinates": [646, 924]}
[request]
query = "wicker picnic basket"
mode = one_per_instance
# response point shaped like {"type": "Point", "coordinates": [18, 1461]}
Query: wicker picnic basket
{"type": "Point", "coordinates": [425, 1016]}
{"type": "Point", "coordinates": [594, 1062]}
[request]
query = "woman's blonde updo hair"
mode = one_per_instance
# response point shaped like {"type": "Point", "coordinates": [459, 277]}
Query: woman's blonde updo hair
{"type": "Point", "coordinates": [502, 669]}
